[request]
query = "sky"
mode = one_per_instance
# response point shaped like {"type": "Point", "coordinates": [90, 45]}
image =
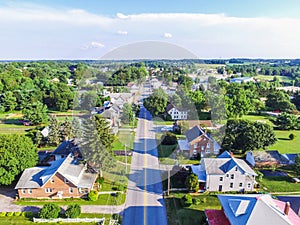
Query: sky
{"type": "Point", "coordinates": [92, 29]}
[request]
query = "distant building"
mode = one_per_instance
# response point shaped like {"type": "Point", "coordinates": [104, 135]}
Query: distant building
{"type": "Point", "coordinates": [176, 113]}
{"type": "Point", "coordinates": [241, 80]}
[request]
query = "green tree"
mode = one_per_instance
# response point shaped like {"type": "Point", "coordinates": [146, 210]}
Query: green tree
{"type": "Point", "coordinates": [73, 211]}
{"type": "Point", "coordinates": [169, 139]}
{"type": "Point", "coordinates": [49, 211]}
{"type": "Point", "coordinates": [128, 115]}
{"type": "Point", "coordinates": [297, 164]}
{"type": "Point", "coordinates": [54, 136]}
{"type": "Point", "coordinates": [157, 102]}
{"type": "Point", "coordinates": [244, 135]}
{"type": "Point", "coordinates": [192, 182]}
{"type": "Point", "coordinates": [36, 113]}
{"type": "Point", "coordinates": [186, 200]}
{"type": "Point", "coordinates": [8, 101]}
{"type": "Point", "coordinates": [93, 195]}
{"type": "Point", "coordinates": [17, 152]}
{"type": "Point", "coordinates": [88, 100]}
{"type": "Point", "coordinates": [279, 100]}
{"type": "Point", "coordinates": [286, 121]}
{"type": "Point", "coordinates": [67, 130]}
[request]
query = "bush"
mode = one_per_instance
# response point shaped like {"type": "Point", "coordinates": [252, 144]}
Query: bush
{"type": "Point", "coordinates": [292, 136]}
{"type": "Point", "coordinates": [23, 214]}
{"type": "Point", "coordinates": [169, 139]}
{"type": "Point", "coordinates": [186, 200]}
{"type": "Point", "coordinates": [192, 182]}
{"type": "Point", "coordinates": [73, 211]}
{"type": "Point", "coordinates": [28, 214]}
{"type": "Point", "coordinates": [2, 214]}
{"type": "Point", "coordinates": [93, 195]}
{"type": "Point", "coordinates": [100, 180]}
{"type": "Point", "coordinates": [17, 213]}
{"type": "Point", "coordinates": [9, 214]}
{"type": "Point", "coordinates": [196, 201]}
{"type": "Point", "coordinates": [49, 211]}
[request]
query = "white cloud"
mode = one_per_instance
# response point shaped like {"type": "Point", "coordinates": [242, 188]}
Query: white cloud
{"type": "Point", "coordinates": [122, 32]}
{"type": "Point", "coordinates": [122, 16]}
{"type": "Point", "coordinates": [168, 35]}
{"type": "Point", "coordinates": [92, 45]}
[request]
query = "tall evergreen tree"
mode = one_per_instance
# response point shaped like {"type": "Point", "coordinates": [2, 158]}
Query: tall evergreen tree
{"type": "Point", "coordinates": [67, 130]}
{"type": "Point", "coordinates": [54, 137]}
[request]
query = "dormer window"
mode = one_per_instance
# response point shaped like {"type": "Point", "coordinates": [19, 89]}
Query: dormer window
{"type": "Point", "coordinates": [52, 180]}
{"type": "Point", "coordinates": [66, 181]}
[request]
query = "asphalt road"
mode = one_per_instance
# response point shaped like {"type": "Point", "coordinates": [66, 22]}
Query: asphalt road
{"type": "Point", "coordinates": [144, 201]}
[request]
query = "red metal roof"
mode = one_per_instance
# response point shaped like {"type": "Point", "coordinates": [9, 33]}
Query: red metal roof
{"type": "Point", "coordinates": [216, 217]}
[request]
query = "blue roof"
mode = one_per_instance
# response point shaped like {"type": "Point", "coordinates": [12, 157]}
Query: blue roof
{"type": "Point", "coordinates": [224, 155]}
{"type": "Point", "coordinates": [237, 208]}
{"type": "Point", "coordinates": [193, 133]}
{"type": "Point", "coordinates": [200, 173]}
{"type": "Point", "coordinates": [228, 166]}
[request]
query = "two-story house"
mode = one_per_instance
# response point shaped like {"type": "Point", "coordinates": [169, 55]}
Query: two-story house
{"type": "Point", "coordinates": [225, 174]}
{"type": "Point", "coordinates": [252, 209]}
{"type": "Point", "coordinates": [198, 141]}
{"type": "Point", "coordinates": [64, 178]}
{"type": "Point", "coordinates": [176, 113]}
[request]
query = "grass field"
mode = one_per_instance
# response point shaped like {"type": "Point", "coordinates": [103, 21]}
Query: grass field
{"type": "Point", "coordinates": [124, 138]}
{"type": "Point", "coordinates": [20, 220]}
{"type": "Point", "coordinates": [265, 119]}
{"type": "Point", "coordinates": [104, 199]}
{"type": "Point", "coordinates": [193, 215]}
{"type": "Point", "coordinates": [270, 77]}
{"type": "Point", "coordinates": [284, 144]}
{"type": "Point", "coordinates": [280, 184]}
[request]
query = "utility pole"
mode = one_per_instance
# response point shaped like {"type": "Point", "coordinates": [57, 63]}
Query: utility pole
{"type": "Point", "coordinates": [126, 158]}
{"type": "Point", "coordinates": [168, 193]}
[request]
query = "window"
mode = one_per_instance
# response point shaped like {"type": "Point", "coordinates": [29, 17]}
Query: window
{"type": "Point", "coordinates": [241, 184]}
{"type": "Point", "coordinates": [227, 175]}
{"type": "Point", "coordinates": [231, 185]}
{"type": "Point", "coordinates": [66, 181]}
{"type": "Point", "coordinates": [29, 191]}
{"type": "Point", "coordinates": [249, 185]}
{"type": "Point", "coordinates": [83, 190]}
{"type": "Point", "coordinates": [208, 145]}
{"type": "Point", "coordinates": [232, 176]}
{"type": "Point", "coordinates": [71, 190]}
{"type": "Point", "coordinates": [207, 151]}
{"type": "Point", "coordinates": [195, 145]}
{"type": "Point", "coordinates": [48, 190]}
{"type": "Point", "coordinates": [23, 191]}
{"type": "Point", "coordinates": [52, 180]}
{"type": "Point", "coordinates": [202, 148]}
{"type": "Point", "coordinates": [236, 168]}
{"type": "Point", "coordinates": [221, 178]}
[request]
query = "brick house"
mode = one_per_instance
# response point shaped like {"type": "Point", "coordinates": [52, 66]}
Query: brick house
{"type": "Point", "coordinates": [198, 141]}
{"type": "Point", "coordinates": [64, 178]}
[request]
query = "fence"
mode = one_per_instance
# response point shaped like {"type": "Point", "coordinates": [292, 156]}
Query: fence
{"type": "Point", "coordinates": [70, 220]}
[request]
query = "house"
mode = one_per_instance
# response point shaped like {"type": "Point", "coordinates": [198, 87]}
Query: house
{"type": "Point", "coordinates": [269, 158]}
{"type": "Point", "coordinates": [64, 178]}
{"type": "Point", "coordinates": [65, 148]}
{"type": "Point", "coordinates": [199, 142]}
{"type": "Point", "coordinates": [241, 80]}
{"type": "Point", "coordinates": [224, 174]}
{"type": "Point", "coordinates": [252, 209]}
{"type": "Point", "coordinates": [293, 200]}
{"type": "Point", "coordinates": [121, 98]}
{"type": "Point", "coordinates": [176, 113]}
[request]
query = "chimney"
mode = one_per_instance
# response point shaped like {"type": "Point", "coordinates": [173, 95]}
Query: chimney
{"type": "Point", "coordinates": [287, 208]}
{"type": "Point", "coordinates": [231, 154]}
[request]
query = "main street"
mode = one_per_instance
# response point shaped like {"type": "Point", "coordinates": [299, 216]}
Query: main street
{"type": "Point", "coordinates": [144, 201]}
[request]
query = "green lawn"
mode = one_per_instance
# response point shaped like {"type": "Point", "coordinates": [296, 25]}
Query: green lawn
{"type": "Point", "coordinates": [124, 138]}
{"type": "Point", "coordinates": [279, 184]}
{"type": "Point", "coordinates": [123, 159]}
{"type": "Point", "coordinates": [104, 199]}
{"type": "Point", "coordinates": [163, 123]}
{"type": "Point", "coordinates": [20, 220]}
{"type": "Point", "coordinates": [284, 144]}
{"type": "Point", "coordinates": [271, 77]}
{"type": "Point", "coordinates": [171, 161]}
{"type": "Point", "coordinates": [193, 215]}
{"type": "Point", "coordinates": [110, 186]}
{"type": "Point", "coordinates": [262, 118]}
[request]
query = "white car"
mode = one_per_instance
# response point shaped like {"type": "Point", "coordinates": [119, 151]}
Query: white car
{"type": "Point", "coordinates": [166, 129]}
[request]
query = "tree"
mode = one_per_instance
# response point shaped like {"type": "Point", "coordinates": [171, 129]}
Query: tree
{"type": "Point", "coordinates": [169, 139]}
{"type": "Point", "coordinates": [192, 182]}
{"type": "Point", "coordinates": [93, 195]}
{"type": "Point", "coordinates": [67, 130]}
{"type": "Point", "coordinates": [36, 113]}
{"type": "Point", "coordinates": [128, 115]}
{"type": "Point", "coordinates": [279, 100]}
{"type": "Point", "coordinates": [96, 143]}
{"type": "Point", "coordinates": [8, 101]}
{"type": "Point", "coordinates": [49, 211]}
{"type": "Point", "coordinates": [54, 136]}
{"type": "Point", "coordinates": [286, 121]}
{"type": "Point", "coordinates": [156, 103]}
{"type": "Point", "coordinates": [17, 152]}
{"type": "Point", "coordinates": [88, 100]}
{"type": "Point", "coordinates": [186, 200]}
{"type": "Point", "coordinates": [297, 164]}
{"type": "Point", "coordinates": [244, 135]}
{"type": "Point", "coordinates": [73, 211]}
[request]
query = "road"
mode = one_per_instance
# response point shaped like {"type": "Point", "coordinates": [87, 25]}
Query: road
{"type": "Point", "coordinates": [144, 201]}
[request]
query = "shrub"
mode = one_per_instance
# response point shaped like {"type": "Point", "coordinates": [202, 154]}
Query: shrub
{"type": "Point", "coordinates": [28, 214]}
{"type": "Point", "coordinates": [9, 214]}
{"type": "Point", "coordinates": [169, 139]}
{"type": "Point", "coordinates": [196, 201]}
{"type": "Point", "coordinates": [73, 211]}
{"type": "Point", "coordinates": [204, 200]}
{"type": "Point", "coordinates": [23, 214]}
{"type": "Point", "coordinates": [100, 180]}
{"type": "Point", "coordinates": [121, 188]}
{"type": "Point", "coordinates": [17, 213]}
{"type": "Point", "coordinates": [192, 183]}
{"type": "Point", "coordinates": [292, 136]}
{"type": "Point", "coordinates": [186, 200]}
{"type": "Point", "coordinates": [49, 211]}
{"type": "Point", "coordinates": [2, 214]}
{"type": "Point", "coordinates": [93, 195]}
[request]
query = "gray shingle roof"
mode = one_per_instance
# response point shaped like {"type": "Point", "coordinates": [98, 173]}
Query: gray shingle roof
{"type": "Point", "coordinates": [193, 133]}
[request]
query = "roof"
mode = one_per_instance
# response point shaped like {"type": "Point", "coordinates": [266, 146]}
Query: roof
{"type": "Point", "coordinates": [224, 165]}
{"type": "Point", "coordinates": [196, 169]}
{"type": "Point", "coordinates": [66, 147]}
{"type": "Point", "coordinates": [169, 107]}
{"type": "Point", "coordinates": [216, 217]}
{"type": "Point", "coordinates": [69, 167]}
{"type": "Point", "coordinates": [251, 209]}
{"type": "Point", "coordinates": [194, 133]}
{"type": "Point", "coordinates": [183, 145]}
{"type": "Point", "coordinates": [224, 155]}
{"type": "Point", "coordinates": [293, 200]}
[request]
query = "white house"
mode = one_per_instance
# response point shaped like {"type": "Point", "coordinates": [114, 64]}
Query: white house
{"type": "Point", "coordinates": [176, 113]}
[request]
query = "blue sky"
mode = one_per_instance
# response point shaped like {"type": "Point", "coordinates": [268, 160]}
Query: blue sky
{"type": "Point", "coordinates": [69, 29]}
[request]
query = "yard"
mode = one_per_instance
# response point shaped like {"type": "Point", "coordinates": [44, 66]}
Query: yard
{"type": "Point", "coordinates": [24, 220]}
{"type": "Point", "coordinates": [279, 184]}
{"type": "Point", "coordinates": [284, 144]}
{"type": "Point", "coordinates": [192, 215]}
{"type": "Point", "coordinates": [124, 138]}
